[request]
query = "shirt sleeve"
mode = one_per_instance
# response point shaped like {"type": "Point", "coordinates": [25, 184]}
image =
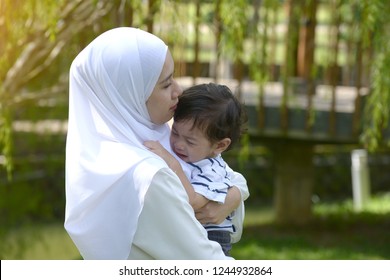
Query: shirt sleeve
{"type": "Point", "coordinates": [239, 181]}
{"type": "Point", "coordinates": [212, 183]}
{"type": "Point", "coordinates": [167, 227]}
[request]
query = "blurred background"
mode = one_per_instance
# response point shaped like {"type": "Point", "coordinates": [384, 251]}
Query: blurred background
{"type": "Point", "coordinates": [313, 75]}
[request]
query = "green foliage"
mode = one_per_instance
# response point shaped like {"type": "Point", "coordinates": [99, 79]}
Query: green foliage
{"type": "Point", "coordinates": [34, 59]}
{"type": "Point", "coordinates": [335, 232]}
{"type": "Point", "coordinates": [6, 140]}
{"type": "Point", "coordinates": [39, 177]}
{"type": "Point", "coordinates": [378, 106]}
{"type": "Point", "coordinates": [36, 191]}
{"type": "Point", "coordinates": [261, 49]}
{"type": "Point", "coordinates": [375, 28]}
{"type": "Point", "coordinates": [19, 21]}
{"type": "Point", "coordinates": [39, 242]}
{"type": "Point", "coordinates": [39, 38]}
{"type": "Point", "coordinates": [172, 32]}
{"type": "Point", "coordinates": [234, 20]}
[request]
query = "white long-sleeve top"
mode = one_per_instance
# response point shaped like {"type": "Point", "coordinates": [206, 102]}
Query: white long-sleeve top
{"type": "Point", "coordinates": [167, 227]}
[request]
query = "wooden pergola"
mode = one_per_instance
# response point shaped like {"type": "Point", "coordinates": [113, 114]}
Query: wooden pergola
{"type": "Point", "coordinates": [292, 112]}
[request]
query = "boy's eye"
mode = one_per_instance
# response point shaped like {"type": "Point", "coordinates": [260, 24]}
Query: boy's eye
{"type": "Point", "coordinates": [167, 85]}
{"type": "Point", "coordinates": [190, 143]}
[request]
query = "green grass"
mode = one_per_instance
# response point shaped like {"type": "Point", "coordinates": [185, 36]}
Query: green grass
{"type": "Point", "coordinates": [43, 242]}
{"type": "Point", "coordinates": [335, 232]}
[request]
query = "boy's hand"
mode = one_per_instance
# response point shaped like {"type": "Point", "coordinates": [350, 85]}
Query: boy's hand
{"type": "Point", "coordinates": [215, 213]}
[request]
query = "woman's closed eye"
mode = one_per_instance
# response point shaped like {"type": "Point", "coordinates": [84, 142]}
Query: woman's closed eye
{"type": "Point", "coordinates": [168, 82]}
{"type": "Point", "coordinates": [167, 85]}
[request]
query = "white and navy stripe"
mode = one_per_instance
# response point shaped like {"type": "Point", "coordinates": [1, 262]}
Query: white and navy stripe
{"type": "Point", "coordinates": [210, 178]}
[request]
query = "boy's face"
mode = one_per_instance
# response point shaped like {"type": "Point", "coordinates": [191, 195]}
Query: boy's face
{"type": "Point", "coordinates": [190, 143]}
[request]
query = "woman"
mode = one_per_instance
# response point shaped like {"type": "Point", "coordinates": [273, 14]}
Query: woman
{"type": "Point", "coordinates": [123, 201]}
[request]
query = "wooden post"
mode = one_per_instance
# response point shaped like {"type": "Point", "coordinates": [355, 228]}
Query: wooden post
{"type": "Point", "coordinates": [218, 34]}
{"type": "Point", "coordinates": [196, 70]}
{"type": "Point", "coordinates": [307, 41]}
{"type": "Point", "coordinates": [152, 9]}
{"type": "Point", "coordinates": [291, 46]}
{"type": "Point", "coordinates": [294, 174]}
{"type": "Point", "coordinates": [333, 67]}
{"type": "Point", "coordinates": [306, 50]}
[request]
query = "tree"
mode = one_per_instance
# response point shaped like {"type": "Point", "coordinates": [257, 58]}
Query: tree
{"type": "Point", "coordinates": [33, 35]}
{"type": "Point", "coordinates": [375, 30]}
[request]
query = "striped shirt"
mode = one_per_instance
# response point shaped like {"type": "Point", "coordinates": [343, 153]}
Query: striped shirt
{"type": "Point", "coordinates": [210, 178]}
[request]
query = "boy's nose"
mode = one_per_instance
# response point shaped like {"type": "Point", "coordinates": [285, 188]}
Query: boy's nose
{"type": "Point", "coordinates": [179, 146]}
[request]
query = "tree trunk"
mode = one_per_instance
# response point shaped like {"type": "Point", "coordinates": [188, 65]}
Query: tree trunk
{"type": "Point", "coordinates": [294, 181]}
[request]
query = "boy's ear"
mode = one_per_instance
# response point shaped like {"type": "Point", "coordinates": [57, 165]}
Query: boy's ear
{"type": "Point", "coordinates": [222, 145]}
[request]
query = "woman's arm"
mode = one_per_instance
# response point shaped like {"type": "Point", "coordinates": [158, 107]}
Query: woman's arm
{"type": "Point", "coordinates": [167, 227]}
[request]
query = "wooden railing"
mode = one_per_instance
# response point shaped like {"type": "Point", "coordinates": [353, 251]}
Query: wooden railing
{"type": "Point", "coordinates": [301, 76]}
{"type": "Point", "coordinates": [295, 99]}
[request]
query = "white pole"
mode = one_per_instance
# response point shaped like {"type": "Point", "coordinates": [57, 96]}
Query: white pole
{"type": "Point", "coordinates": [360, 179]}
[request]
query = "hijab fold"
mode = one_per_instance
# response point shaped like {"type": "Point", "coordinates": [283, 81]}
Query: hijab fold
{"type": "Point", "coordinates": [108, 170]}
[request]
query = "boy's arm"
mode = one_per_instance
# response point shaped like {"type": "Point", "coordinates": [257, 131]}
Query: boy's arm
{"type": "Point", "coordinates": [196, 200]}
{"type": "Point", "coordinates": [214, 212]}
{"type": "Point", "coordinates": [240, 182]}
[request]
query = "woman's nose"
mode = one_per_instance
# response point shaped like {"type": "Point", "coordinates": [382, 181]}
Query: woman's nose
{"type": "Point", "coordinates": [177, 89]}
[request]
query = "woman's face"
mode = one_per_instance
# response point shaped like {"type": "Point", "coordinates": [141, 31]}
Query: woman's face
{"type": "Point", "coordinates": [162, 102]}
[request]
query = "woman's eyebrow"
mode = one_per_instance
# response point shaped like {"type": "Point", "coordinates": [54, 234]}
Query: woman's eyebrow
{"type": "Point", "coordinates": [166, 79]}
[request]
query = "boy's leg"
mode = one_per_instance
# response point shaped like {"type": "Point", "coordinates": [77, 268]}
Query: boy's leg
{"type": "Point", "coordinates": [223, 238]}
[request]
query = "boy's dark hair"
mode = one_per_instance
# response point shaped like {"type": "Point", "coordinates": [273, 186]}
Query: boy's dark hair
{"type": "Point", "coordinates": [214, 109]}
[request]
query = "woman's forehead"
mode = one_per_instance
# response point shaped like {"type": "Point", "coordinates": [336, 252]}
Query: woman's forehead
{"type": "Point", "coordinates": [168, 68]}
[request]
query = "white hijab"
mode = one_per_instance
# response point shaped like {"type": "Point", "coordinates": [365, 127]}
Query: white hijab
{"type": "Point", "coordinates": [108, 170]}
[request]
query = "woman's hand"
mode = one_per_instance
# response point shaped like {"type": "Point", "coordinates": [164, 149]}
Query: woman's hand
{"type": "Point", "coordinates": [197, 201]}
{"type": "Point", "coordinates": [159, 150]}
{"type": "Point", "coordinates": [215, 213]}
